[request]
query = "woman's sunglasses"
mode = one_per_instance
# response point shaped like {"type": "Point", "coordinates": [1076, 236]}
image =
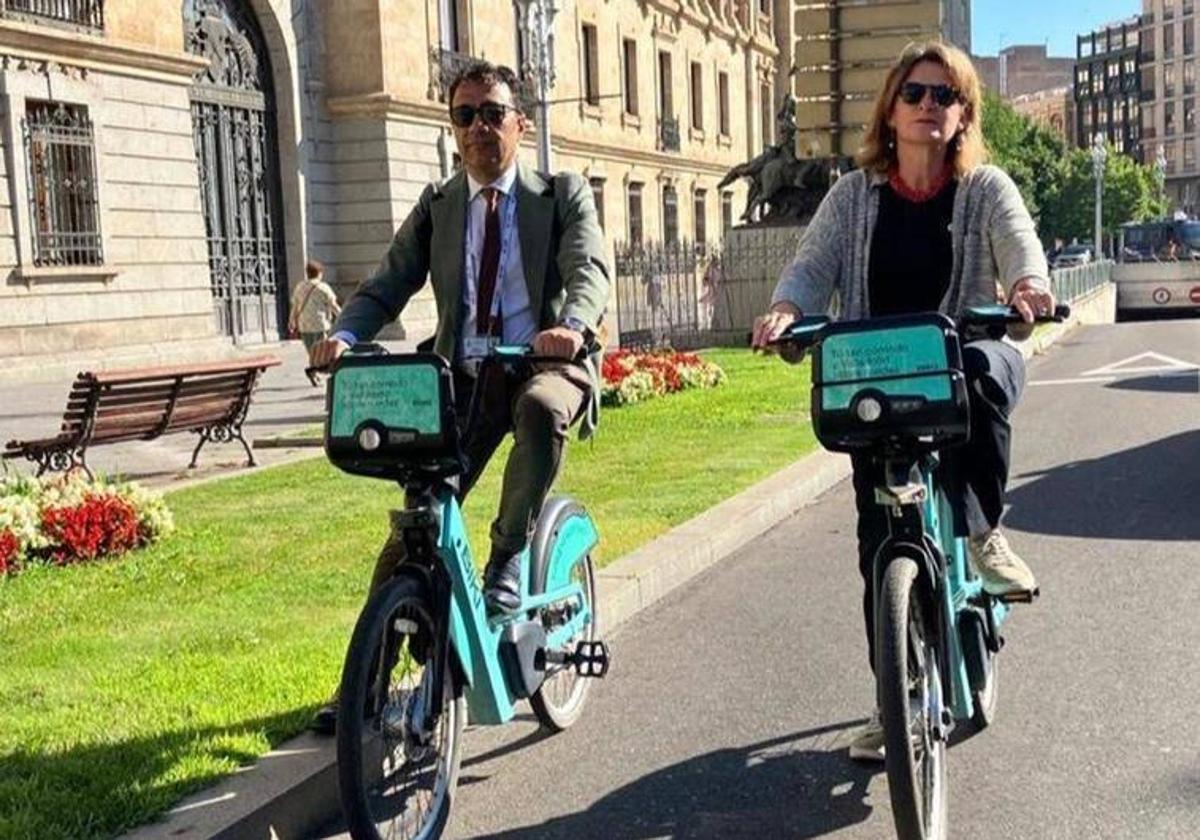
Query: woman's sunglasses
{"type": "Point", "coordinates": [944, 95]}
{"type": "Point", "coordinates": [491, 113]}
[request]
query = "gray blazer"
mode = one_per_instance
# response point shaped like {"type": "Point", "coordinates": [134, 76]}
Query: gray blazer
{"type": "Point", "coordinates": [992, 235]}
{"type": "Point", "coordinates": [562, 252]}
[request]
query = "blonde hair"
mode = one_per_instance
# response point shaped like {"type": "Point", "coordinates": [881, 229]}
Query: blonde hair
{"type": "Point", "coordinates": [967, 150]}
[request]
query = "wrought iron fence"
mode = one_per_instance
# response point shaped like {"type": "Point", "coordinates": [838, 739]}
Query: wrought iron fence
{"type": "Point", "coordinates": [1071, 284]}
{"type": "Point", "coordinates": [88, 14]}
{"type": "Point", "coordinates": [689, 295]}
{"type": "Point", "coordinates": [61, 168]}
{"type": "Point", "coordinates": [684, 295]}
{"type": "Point", "coordinates": [658, 295]}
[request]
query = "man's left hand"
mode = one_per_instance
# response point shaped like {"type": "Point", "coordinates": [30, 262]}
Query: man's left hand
{"type": "Point", "coordinates": [563, 342]}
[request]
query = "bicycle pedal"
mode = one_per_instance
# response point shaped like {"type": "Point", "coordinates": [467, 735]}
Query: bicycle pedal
{"type": "Point", "coordinates": [1026, 596]}
{"type": "Point", "coordinates": [590, 659]}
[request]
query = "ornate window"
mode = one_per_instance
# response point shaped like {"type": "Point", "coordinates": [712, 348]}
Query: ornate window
{"type": "Point", "coordinates": [63, 200]}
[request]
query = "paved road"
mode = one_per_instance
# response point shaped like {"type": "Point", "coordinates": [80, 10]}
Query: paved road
{"type": "Point", "coordinates": [730, 703]}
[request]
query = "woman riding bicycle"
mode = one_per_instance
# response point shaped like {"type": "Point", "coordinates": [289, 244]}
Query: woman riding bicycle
{"type": "Point", "coordinates": [924, 225]}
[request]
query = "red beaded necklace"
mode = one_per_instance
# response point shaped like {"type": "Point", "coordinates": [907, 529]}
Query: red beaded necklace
{"type": "Point", "coordinates": [914, 195]}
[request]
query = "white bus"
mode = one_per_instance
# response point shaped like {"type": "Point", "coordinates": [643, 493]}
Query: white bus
{"type": "Point", "coordinates": [1158, 267]}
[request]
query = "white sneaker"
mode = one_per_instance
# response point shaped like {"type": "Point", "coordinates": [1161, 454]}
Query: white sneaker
{"type": "Point", "coordinates": [867, 744]}
{"type": "Point", "coordinates": [1001, 570]}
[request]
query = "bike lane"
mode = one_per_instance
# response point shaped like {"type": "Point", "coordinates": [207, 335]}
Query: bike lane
{"type": "Point", "coordinates": [731, 701]}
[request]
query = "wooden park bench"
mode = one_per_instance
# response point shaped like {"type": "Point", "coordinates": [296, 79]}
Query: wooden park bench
{"type": "Point", "coordinates": [210, 399]}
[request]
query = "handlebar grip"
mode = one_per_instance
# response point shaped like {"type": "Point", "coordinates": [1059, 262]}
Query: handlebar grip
{"type": "Point", "coordinates": [1061, 312]}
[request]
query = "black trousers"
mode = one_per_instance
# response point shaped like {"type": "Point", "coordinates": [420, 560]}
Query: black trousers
{"type": "Point", "coordinates": [973, 474]}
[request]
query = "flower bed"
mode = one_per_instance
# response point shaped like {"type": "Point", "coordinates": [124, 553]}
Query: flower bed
{"type": "Point", "coordinates": [631, 377]}
{"type": "Point", "coordinates": [64, 520]}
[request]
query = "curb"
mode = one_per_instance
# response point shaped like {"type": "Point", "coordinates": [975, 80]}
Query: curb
{"type": "Point", "coordinates": [292, 790]}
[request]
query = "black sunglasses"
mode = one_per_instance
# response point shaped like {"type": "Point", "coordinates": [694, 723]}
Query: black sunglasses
{"type": "Point", "coordinates": [491, 113]}
{"type": "Point", "coordinates": [944, 95]}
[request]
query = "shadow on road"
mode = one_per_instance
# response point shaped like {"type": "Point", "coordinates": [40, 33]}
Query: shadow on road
{"type": "Point", "coordinates": [782, 787]}
{"type": "Point", "coordinates": [1175, 383]}
{"type": "Point", "coordinates": [1149, 492]}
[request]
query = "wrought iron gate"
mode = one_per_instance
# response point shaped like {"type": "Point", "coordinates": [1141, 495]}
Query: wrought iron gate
{"type": "Point", "coordinates": [233, 122]}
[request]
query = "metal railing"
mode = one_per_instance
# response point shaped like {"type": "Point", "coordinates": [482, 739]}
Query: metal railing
{"type": "Point", "coordinates": [87, 14]}
{"type": "Point", "coordinates": [668, 133]}
{"type": "Point", "coordinates": [1071, 284]}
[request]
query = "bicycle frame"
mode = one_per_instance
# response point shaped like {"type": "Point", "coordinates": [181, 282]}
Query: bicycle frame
{"type": "Point", "coordinates": [945, 582]}
{"type": "Point", "coordinates": [474, 636]}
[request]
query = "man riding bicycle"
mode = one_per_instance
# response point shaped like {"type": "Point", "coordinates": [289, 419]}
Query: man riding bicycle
{"type": "Point", "coordinates": [515, 257]}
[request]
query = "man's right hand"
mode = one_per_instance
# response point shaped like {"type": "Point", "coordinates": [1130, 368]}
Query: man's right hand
{"type": "Point", "coordinates": [326, 351]}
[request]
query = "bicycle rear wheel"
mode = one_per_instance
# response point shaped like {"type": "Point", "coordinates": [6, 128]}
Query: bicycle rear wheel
{"type": "Point", "coordinates": [559, 701]}
{"type": "Point", "coordinates": [910, 698]}
{"type": "Point", "coordinates": [397, 768]}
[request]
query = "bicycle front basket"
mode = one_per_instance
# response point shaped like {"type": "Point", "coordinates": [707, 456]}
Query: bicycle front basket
{"type": "Point", "coordinates": [896, 379]}
{"type": "Point", "coordinates": [386, 413]}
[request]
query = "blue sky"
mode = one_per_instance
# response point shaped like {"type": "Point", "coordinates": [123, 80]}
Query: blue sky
{"type": "Point", "coordinates": [1000, 23]}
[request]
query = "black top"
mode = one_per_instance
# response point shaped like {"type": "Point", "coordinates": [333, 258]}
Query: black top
{"type": "Point", "coordinates": [911, 253]}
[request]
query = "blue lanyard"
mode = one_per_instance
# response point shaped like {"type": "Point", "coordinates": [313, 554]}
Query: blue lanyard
{"type": "Point", "coordinates": [508, 230]}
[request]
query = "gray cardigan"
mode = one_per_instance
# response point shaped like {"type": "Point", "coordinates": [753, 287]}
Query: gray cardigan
{"type": "Point", "coordinates": [993, 239]}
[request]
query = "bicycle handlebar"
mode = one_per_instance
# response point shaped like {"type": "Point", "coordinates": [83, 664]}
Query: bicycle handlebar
{"type": "Point", "coordinates": [804, 331]}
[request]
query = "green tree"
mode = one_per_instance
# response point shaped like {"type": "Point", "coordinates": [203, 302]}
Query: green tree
{"type": "Point", "coordinates": [1057, 183]}
{"type": "Point", "coordinates": [1030, 153]}
{"type": "Point", "coordinates": [1130, 195]}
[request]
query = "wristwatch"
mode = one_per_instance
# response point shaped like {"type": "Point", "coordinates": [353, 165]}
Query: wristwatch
{"type": "Point", "coordinates": [573, 323]}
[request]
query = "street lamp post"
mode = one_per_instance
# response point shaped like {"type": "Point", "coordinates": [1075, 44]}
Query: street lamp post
{"type": "Point", "coordinates": [1099, 157]}
{"type": "Point", "coordinates": [535, 21]}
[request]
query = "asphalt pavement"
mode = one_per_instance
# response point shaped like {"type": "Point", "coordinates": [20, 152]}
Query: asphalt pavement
{"type": "Point", "coordinates": [731, 701]}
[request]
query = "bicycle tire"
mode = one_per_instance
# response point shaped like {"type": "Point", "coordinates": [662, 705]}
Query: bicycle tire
{"type": "Point", "coordinates": [916, 773]}
{"type": "Point", "coordinates": [364, 782]}
{"type": "Point", "coordinates": [555, 708]}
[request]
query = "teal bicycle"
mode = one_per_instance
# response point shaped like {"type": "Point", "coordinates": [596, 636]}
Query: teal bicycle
{"type": "Point", "coordinates": [895, 387]}
{"type": "Point", "coordinates": [425, 650]}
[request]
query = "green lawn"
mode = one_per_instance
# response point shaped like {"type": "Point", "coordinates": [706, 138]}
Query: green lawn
{"type": "Point", "coordinates": [126, 685]}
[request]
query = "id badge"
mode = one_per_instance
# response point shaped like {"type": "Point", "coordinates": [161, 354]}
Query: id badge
{"type": "Point", "coordinates": [478, 346]}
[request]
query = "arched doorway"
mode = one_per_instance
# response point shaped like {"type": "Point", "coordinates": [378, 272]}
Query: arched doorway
{"type": "Point", "coordinates": [233, 122]}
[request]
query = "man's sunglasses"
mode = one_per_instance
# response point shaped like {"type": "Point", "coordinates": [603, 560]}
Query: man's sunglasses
{"type": "Point", "coordinates": [491, 113]}
{"type": "Point", "coordinates": [944, 95]}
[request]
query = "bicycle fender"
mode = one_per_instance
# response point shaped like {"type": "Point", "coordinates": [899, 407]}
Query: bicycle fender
{"type": "Point", "coordinates": [564, 535]}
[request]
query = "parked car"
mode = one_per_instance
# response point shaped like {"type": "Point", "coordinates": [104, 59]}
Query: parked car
{"type": "Point", "coordinates": [1073, 255]}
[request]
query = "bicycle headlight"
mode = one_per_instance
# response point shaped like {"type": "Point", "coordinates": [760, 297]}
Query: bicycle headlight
{"type": "Point", "coordinates": [869, 409]}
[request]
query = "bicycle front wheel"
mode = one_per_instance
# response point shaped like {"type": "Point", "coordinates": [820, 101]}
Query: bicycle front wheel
{"type": "Point", "coordinates": [398, 759]}
{"type": "Point", "coordinates": [910, 699]}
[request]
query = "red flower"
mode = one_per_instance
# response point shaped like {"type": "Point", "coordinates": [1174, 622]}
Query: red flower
{"type": "Point", "coordinates": [8, 552]}
{"type": "Point", "coordinates": [99, 526]}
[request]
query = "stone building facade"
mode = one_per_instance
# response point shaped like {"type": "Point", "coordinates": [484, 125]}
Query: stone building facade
{"type": "Point", "coordinates": [171, 164]}
{"type": "Point", "coordinates": [1023, 69]}
{"type": "Point", "coordinates": [842, 52]}
{"type": "Point", "coordinates": [1053, 108]}
{"type": "Point", "coordinates": [1108, 87]}
{"type": "Point", "coordinates": [1169, 131]}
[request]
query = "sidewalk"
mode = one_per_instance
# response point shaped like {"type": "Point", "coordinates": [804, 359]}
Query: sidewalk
{"type": "Point", "coordinates": [285, 402]}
